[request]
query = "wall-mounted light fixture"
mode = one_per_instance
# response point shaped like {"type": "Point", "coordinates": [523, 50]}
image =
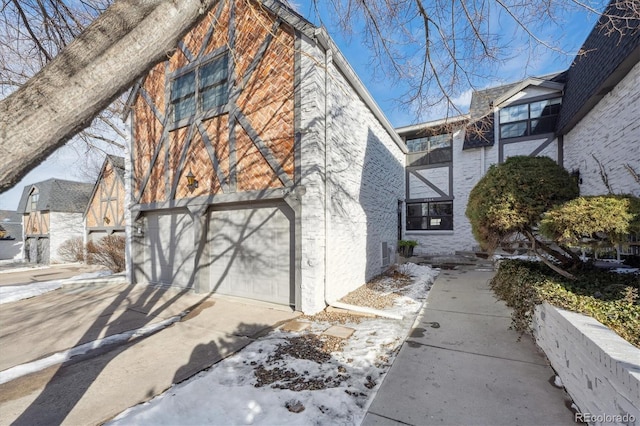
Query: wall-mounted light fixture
{"type": "Point", "coordinates": [106, 220]}
{"type": "Point", "coordinates": [192, 182]}
{"type": "Point", "coordinates": [575, 174]}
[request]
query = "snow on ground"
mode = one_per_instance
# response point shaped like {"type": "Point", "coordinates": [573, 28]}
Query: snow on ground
{"type": "Point", "coordinates": [14, 293]}
{"type": "Point", "coordinates": [255, 386]}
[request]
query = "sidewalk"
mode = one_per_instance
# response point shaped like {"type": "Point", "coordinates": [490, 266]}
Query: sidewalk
{"type": "Point", "coordinates": [461, 365]}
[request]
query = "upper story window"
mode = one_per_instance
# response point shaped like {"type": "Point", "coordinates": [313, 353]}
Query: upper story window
{"type": "Point", "coordinates": [530, 119]}
{"type": "Point", "coordinates": [429, 149]}
{"type": "Point", "coordinates": [203, 88]}
{"type": "Point", "coordinates": [33, 201]}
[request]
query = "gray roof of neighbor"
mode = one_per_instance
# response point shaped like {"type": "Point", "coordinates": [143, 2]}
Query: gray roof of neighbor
{"type": "Point", "coordinates": [607, 56]}
{"type": "Point", "coordinates": [58, 195]}
{"type": "Point", "coordinates": [118, 165]}
{"type": "Point", "coordinates": [11, 221]}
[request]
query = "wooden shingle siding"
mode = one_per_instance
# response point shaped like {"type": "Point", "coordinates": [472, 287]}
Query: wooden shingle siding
{"type": "Point", "coordinates": [250, 145]}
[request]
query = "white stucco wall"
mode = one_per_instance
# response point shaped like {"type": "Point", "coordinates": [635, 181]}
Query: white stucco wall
{"type": "Point", "coordinates": [63, 227]}
{"type": "Point", "coordinates": [611, 133]}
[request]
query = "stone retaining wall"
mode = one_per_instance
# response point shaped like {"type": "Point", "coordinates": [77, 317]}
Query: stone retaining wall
{"type": "Point", "coordinates": [599, 369]}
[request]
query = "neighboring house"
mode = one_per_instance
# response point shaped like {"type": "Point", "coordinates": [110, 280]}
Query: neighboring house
{"type": "Point", "coordinates": [11, 241]}
{"type": "Point", "coordinates": [261, 166]}
{"type": "Point", "coordinates": [585, 118]}
{"type": "Point", "coordinates": [52, 213]}
{"type": "Point", "coordinates": [104, 214]}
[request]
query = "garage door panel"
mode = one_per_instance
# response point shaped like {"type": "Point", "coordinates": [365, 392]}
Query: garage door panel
{"type": "Point", "coordinates": [169, 248]}
{"type": "Point", "coordinates": [251, 253]}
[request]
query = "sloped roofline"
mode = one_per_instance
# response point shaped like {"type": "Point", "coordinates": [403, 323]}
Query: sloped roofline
{"type": "Point", "coordinates": [108, 160]}
{"type": "Point", "coordinates": [531, 81]}
{"type": "Point", "coordinates": [322, 38]}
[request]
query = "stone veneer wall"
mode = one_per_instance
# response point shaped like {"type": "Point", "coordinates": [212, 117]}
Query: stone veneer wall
{"type": "Point", "coordinates": [599, 369]}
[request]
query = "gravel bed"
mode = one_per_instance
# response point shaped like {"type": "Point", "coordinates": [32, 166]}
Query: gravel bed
{"type": "Point", "coordinates": [379, 293]}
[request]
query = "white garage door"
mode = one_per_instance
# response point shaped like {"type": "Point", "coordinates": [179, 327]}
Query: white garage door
{"type": "Point", "coordinates": [251, 253]}
{"type": "Point", "coordinates": [169, 251]}
{"type": "Point", "coordinates": [95, 236]}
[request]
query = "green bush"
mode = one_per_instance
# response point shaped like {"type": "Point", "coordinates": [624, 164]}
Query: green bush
{"type": "Point", "coordinates": [511, 198]}
{"type": "Point", "coordinates": [589, 221]}
{"type": "Point", "coordinates": [405, 247]}
{"type": "Point", "coordinates": [610, 298]}
{"type": "Point", "coordinates": [407, 243]}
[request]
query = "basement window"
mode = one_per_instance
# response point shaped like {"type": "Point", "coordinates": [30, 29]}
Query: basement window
{"type": "Point", "coordinates": [202, 89]}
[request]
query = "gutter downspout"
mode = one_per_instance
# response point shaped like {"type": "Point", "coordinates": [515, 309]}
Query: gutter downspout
{"type": "Point", "coordinates": [328, 60]}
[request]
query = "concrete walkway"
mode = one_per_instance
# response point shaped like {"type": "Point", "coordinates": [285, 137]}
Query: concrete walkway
{"type": "Point", "coordinates": [90, 389]}
{"type": "Point", "coordinates": [461, 365]}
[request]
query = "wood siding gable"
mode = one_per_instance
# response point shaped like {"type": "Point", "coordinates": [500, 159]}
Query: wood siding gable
{"type": "Point", "coordinates": [106, 206]}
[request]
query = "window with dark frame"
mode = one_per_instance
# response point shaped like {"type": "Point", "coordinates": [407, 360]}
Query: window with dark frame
{"type": "Point", "coordinates": [34, 201]}
{"type": "Point", "coordinates": [203, 88]}
{"type": "Point", "coordinates": [429, 216]}
{"type": "Point", "coordinates": [429, 149]}
{"type": "Point", "coordinates": [534, 118]}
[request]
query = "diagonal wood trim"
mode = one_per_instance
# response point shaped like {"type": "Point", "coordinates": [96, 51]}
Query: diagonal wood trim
{"type": "Point", "coordinates": [428, 183]}
{"type": "Point", "coordinates": [214, 158]}
{"type": "Point", "coordinates": [147, 175]}
{"type": "Point", "coordinates": [263, 148]}
{"type": "Point", "coordinates": [183, 158]}
{"type": "Point", "coordinates": [233, 100]}
{"type": "Point", "coordinates": [149, 101]}
{"type": "Point", "coordinates": [542, 146]}
{"type": "Point", "coordinates": [261, 51]}
{"type": "Point", "coordinates": [93, 213]}
{"type": "Point", "coordinates": [185, 50]}
{"type": "Point", "coordinates": [207, 37]}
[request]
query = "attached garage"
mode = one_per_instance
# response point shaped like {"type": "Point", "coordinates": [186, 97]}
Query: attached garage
{"type": "Point", "coordinates": [251, 252]}
{"type": "Point", "coordinates": [169, 248]}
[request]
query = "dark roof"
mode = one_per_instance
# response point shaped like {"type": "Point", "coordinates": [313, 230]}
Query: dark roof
{"type": "Point", "coordinates": [58, 195]}
{"type": "Point", "coordinates": [606, 57]}
{"type": "Point", "coordinates": [11, 221]}
{"type": "Point", "coordinates": [118, 165]}
{"type": "Point", "coordinates": [479, 133]}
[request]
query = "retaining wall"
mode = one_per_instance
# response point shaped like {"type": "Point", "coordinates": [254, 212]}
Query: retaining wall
{"type": "Point", "coordinates": [599, 369]}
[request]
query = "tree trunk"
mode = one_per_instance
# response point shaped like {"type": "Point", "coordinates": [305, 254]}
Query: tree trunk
{"type": "Point", "coordinates": [535, 243]}
{"type": "Point", "coordinates": [121, 45]}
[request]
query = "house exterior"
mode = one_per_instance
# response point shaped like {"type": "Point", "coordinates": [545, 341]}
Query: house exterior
{"type": "Point", "coordinates": [105, 212]}
{"type": "Point", "coordinates": [260, 165]}
{"type": "Point", "coordinates": [586, 119]}
{"type": "Point", "coordinates": [52, 213]}
{"type": "Point", "coordinates": [10, 235]}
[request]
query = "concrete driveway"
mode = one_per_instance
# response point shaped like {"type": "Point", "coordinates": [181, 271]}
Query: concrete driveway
{"type": "Point", "coordinates": [92, 388]}
{"type": "Point", "coordinates": [20, 274]}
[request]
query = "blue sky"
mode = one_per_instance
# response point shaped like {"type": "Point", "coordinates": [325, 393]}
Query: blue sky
{"type": "Point", "coordinates": [521, 61]}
